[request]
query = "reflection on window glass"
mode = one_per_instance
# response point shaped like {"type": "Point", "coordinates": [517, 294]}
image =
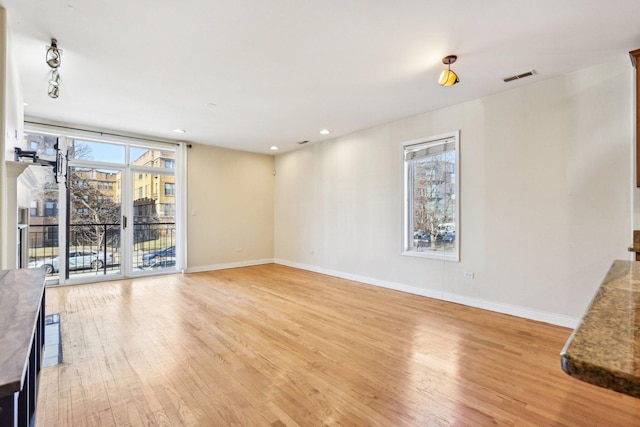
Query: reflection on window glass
{"type": "Point", "coordinates": [43, 213]}
{"type": "Point", "coordinates": [101, 151]}
{"type": "Point", "coordinates": [43, 145]}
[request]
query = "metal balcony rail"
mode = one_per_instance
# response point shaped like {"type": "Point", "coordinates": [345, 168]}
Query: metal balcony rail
{"type": "Point", "coordinates": [95, 247]}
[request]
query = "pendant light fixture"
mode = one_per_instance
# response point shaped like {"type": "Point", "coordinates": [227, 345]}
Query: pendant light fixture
{"type": "Point", "coordinates": [53, 59]}
{"type": "Point", "coordinates": [448, 77]}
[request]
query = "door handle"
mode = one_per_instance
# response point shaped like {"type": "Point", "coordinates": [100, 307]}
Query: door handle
{"type": "Point", "coordinates": [124, 221]}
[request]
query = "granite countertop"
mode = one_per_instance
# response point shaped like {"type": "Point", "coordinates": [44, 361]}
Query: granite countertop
{"type": "Point", "coordinates": [605, 347]}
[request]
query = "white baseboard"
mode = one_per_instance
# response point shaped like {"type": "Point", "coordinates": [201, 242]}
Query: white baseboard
{"type": "Point", "coordinates": [229, 265]}
{"type": "Point", "coordinates": [526, 313]}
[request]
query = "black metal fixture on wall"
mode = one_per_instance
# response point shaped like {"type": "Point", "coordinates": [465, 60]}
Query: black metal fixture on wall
{"type": "Point", "coordinates": [60, 164]}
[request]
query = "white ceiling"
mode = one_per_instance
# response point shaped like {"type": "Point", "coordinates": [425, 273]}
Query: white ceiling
{"type": "Point", "coordinates": [248, 74]}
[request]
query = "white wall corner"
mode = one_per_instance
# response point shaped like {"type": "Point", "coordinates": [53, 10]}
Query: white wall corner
{"type": "Point", "coordinates": [214, 267]}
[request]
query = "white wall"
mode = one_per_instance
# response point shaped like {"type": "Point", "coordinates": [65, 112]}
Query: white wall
{"type": "Point", "coordinates": [14, 104]}
{"type": "Point", "coordinates": [11, 128]}
{"type": "Point", "coordinates": [231, 193]}
{"type": "Point", "coordinates": [545, 198]}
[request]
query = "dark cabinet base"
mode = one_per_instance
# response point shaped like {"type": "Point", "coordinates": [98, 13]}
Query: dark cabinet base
{"type": "Point", "coordinates": [19, 408]}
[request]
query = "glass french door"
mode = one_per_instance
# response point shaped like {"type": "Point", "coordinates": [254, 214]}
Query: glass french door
{"type": "Point", "coordinates": [94, 206]}
{"type": "Point", "coordinates": [112, 213]}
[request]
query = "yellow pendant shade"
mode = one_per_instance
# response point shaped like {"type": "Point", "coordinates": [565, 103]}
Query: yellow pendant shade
{"type": "Point", "coordinates": [448, 78]}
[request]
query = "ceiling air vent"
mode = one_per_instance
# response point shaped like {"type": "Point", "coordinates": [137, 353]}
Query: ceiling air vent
{"type": "Point", "coordinates": [520, 76]}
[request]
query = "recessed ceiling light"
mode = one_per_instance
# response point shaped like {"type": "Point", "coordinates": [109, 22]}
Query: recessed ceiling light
{"type": "Point", "coordinates": [274, 148]}
{"type": "Point", "coordinates": [179, 130]}
{"type": "Point", "coordinates": [324, 132]}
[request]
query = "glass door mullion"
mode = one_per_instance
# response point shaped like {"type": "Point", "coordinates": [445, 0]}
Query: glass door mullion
{"type": "Point", "coordinates": [127, 223]}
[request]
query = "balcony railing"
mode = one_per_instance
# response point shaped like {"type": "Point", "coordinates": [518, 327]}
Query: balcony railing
{"type": "Point", "coordinates": [95, 248]}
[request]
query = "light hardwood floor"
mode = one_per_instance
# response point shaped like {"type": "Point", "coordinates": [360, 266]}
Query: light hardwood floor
{"type": "Point", "coordinates": [275, 346]}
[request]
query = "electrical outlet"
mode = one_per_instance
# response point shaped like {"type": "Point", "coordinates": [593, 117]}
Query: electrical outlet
{"type": "Point", "coordinates": [238, 249]}
{"type": "Point", "coordinates": [469, 275]}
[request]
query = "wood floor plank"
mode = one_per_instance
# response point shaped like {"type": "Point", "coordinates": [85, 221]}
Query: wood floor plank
{"type": "Point", "coordinates": [276, 346]}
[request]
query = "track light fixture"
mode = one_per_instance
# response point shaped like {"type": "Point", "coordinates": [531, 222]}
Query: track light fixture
{"type": "Point", "coordinates": [53, 54]}
{"type": "Point", "coordinates": [54, 91]}
{"type": "Point", "coordinates": [448, 77]}
{"type": "Point", "coordinates": [54, 79]}
{"type": "Point", "coordinates": [53, 59]}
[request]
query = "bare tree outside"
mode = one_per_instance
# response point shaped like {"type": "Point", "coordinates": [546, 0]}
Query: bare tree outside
{"type": "Point", "coordinates": [434, 195]}
{"type": "Point", "coordinates": [95, 211]}
{"type": "Point", "coordinates": [95, 206]}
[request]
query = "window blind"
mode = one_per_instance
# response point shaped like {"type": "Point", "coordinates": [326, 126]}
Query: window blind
{"type": "Point", "coordinates": [427, 149]}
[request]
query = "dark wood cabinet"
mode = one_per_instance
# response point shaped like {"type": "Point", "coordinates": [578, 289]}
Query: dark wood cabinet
{"type": "Point", "coordinates": [22, 324]}
{"type": "Point", "coordinates": [635, 54]}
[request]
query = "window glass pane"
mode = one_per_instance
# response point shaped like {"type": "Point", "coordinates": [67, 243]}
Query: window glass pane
{"type": "Point", "coordinates": [154, 222]}
{"type": "Point", "coordinates": [43, 221]}
{"type": "Point", "coordinates": [431, 208]}
{"type": "Point", "coordinates": [155, 158]}
{"type": "Point", "coordinates": [100, 151]}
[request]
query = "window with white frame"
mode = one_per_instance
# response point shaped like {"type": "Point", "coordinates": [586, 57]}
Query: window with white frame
{"type": "Point", "coordinates": [431, 197]}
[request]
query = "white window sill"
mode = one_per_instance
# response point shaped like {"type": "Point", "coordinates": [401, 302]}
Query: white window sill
{"type": "Point", "coordinates": [439, 255]}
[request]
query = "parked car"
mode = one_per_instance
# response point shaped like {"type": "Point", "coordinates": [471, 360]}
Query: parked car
{"type": "Point", "coordinates": [424, 241]}
{"type": "Point", "coordinates": [78, 260]}
{"type": "Point", "coordinates": [448, 227]}
{"type": "Point", "coordinates": [169, 251]}
{"type": "Point", "coordinates": [157, 263]}
{"type": "Point", "coordinates": [449, 237]}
